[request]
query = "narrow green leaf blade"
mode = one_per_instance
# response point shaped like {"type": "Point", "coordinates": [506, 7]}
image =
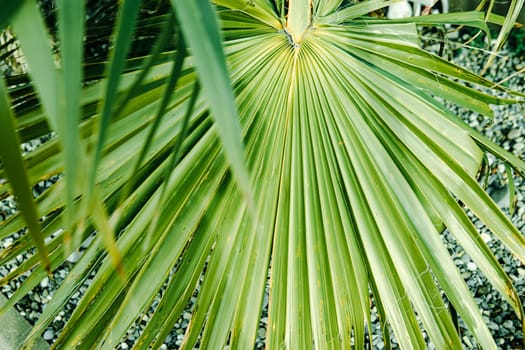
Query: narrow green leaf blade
{"type": "Point", "coordinates": [32, 35]}
{"type": "Point", "coordinates": [355, 11]}
{"type": "Point", "coordinates": [71, 32]}
{"type": "Point", "coordinates": [12, 160]}
{"type": "Point", "coordinates": [8, 9]}
{"type": "Point", "coordinates": [201, 30]}
{"type": "Point", "coordinates": [258, 9]}
{"type": "Point", "coordinates": [125, 27]}
{"type": "Point", "coordinates": [512, 14]}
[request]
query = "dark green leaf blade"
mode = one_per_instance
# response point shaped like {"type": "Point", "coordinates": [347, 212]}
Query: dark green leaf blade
{"type": "Point", "coordinates": [12, 160]}
{"type": "Point", "coordinates": [71, 31]}
{"type": "Point", "coordinates": [125, 27]}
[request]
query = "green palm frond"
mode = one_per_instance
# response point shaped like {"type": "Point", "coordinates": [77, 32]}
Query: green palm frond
{"type": "Point", "coordinates": [351, 169]}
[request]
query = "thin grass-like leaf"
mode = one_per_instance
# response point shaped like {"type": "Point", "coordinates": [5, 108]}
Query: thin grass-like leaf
{"type": "Point", "coordinates": [71, 32]}
{"type": "Point", "coordinates": [8, 11]}
{"type": "Point", "coordinates": [512, 189]}
{"type": "Point", "coordinates": [125, 26]}
{"type": "Point", "coordinates": [257, 9]}
{"type": "Point", "coordinates": [204, 40]}
{"type": "Point", "coordinates": [512, 14]}
{"type": "Point", "coordinates": [324, 7]}
{"type": "Point", "coordinates": [34, 41]}
{"type": "Point", "coordinates": [355, 11]}
{"type": "Point", "coordinates": [160, 44]}
{"type": "Point", "coordinates": [176, 152]}
{"type": "Point", "coordinates": [474, 19]}
{"type": "Point", "coordinates": [178, 60]}
{"type": "Point", "coordinates": [10, 154]}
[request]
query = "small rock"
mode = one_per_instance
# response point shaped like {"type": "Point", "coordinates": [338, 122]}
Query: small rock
{"type": "Point", "coordinates": [49, 334]}
{"type": "Point", "coordinates": [74, 257]}
{"type": "Point", "coordinates": [3, 271]}
{"type": "Point", "coordinates": [467, 342]}
{"type": "Point", "coordinates": [399, 10]}
{"type": "Point", "coordinates": [87, 242]}
{"type": "Point", "coordinates": [45, 282]}
{"type": "Point", "coordinates": [513, 134]}
{"type": "Point", "coordinates": [33, 315]}
{"type": "Point", "coordinates": [8, 242]}
{"type": "Point", "coordinates": [494, 326]}
{"type": "Point", "coordinates": [519, 146]}
{"type": "Point", "coordinates": [261, 333]}
{"type": "Point", "coordinates": [471, 266]}
{"type": "Point", "coordinates": [486, 237]}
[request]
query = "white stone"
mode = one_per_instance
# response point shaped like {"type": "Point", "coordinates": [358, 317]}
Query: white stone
{"type": "Point", "coordinates": [513, 134]}
{"type": "Point", "coordinates": [261, 333]}
{"type": "Point", "coordinates": [45, 282]}
{"type": "Point", "coordinates": [8, 242]}
{"type": "Point", "coordinates": [74, 257]}
{"type": "Point", "coordinates": [49, 334]}
{"type": "Point", "coordinates": [87, 242]}
{"type": "Point", "coordinates": [518, 146]}
{"type": "Point", "coordinates": [399, 10]}
{"type": "Point", "coordinates": [486, 237]}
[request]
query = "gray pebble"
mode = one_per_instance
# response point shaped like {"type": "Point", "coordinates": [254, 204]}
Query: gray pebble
{"type": "Point", "coordinates": [45, 282]}
{"type": "Point", "coordinates": [49, 334]}
{"type": "Point", "coordinates": [74, 257]}
{"type": "Point", "coordinates": [519, 146]}
{"type": "Point", "coordinates": [471, 266]}
{"type": "Point", "coordinates": [514, 133]}
{"type": "Point", "coordinates": [261, 333]}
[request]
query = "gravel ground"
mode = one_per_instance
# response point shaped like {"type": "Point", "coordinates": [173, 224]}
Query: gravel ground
{"type": "Point", "coordinates": [508, 129]}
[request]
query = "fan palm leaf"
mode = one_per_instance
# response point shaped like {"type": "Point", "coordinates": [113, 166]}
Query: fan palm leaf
{"type": "Point", "coordinates": [355, 167]}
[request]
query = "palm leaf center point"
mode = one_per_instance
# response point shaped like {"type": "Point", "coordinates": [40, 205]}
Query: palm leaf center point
{"type": "Point", "coordinates": [299, 19]}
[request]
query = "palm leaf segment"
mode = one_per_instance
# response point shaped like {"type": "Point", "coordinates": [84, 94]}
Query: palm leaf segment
{"type": "Point", "coordinates": [356, 169]}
